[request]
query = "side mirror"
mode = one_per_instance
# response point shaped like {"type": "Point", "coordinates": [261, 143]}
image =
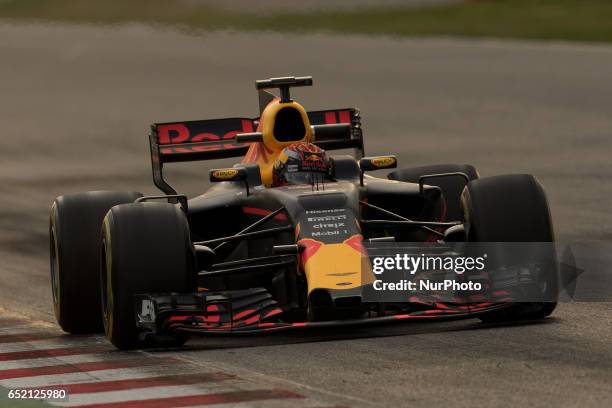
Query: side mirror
{"type": "Point", "coordinates": [376, 163]}
{"type": "Point", "coordinates": [230, 174]}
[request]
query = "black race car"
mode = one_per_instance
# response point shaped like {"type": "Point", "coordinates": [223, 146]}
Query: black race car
{"type": "Point", "coordinates": [247, 256]}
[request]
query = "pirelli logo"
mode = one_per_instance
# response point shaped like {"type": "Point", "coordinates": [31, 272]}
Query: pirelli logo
{"type": "Point", "coordinates": [377, 163]}
{"type": "Point", "coordinates": [229, 174]}
{"type": "Point", "coordinates": [384, 162]}
{"type": "Point", "coordinates": [225, 174]}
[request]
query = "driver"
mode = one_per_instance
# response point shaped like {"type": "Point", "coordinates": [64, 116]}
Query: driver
{"type": "Point", "coordinates": [300, 163]}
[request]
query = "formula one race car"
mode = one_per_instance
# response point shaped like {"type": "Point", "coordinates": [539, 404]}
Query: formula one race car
{"type": "Point", "coordinates": [278, 241]}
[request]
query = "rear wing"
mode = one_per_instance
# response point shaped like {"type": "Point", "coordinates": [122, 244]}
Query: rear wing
{"type": "Point", "coordinates": [211, 139]}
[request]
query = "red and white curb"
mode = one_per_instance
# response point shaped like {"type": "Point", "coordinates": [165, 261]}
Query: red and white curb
{"type": "Point", "coordinates": [94, 374]}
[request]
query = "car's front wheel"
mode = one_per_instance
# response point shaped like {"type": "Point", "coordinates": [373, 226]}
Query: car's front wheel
{"type": "Point", "coordinates": [146, 248]}
{"type": "Point", "coordinates": [513, 208]}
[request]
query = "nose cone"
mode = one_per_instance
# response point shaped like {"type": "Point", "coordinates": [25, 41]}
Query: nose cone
{"type": "Point", "coordinates": [337, 266]}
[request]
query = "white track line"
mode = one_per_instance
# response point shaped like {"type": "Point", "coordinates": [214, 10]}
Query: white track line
{"type": "Point", "coordinates": [76, 359]}
{"type": "Point", "coordinates": [54, 343]}
{"type": "Point", "coordinates": [94, 349]}
{"type": "Point", "coordinates": [157, 392]}
{"type": "Point", "coordinates": [28, 328]}
{"type": "Point", "coordinates": [102, 375]}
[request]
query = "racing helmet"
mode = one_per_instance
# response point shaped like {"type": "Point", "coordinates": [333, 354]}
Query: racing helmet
{"type": "Point", "coordinates": [300, 163]}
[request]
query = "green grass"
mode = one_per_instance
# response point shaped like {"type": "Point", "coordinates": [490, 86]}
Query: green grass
{"type": "Point", "coordinates": [572, 20]}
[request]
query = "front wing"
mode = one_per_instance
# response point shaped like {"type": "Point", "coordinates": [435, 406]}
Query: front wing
{"type": "Point", "coordinates": [255, 311]}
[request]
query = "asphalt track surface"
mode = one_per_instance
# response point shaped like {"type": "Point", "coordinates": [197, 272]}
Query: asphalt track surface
{"type": "Point", "coordinates": [75, 103]}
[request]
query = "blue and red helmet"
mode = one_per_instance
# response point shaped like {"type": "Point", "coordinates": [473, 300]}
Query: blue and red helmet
{"type": "Point", "coordinates": [300, 163]}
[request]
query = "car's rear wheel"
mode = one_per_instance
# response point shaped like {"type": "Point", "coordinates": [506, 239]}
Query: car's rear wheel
{"type": "Point", "coordinates": [146, 249]}
{"type": "Point", "coordinates": [451, 186]}
{"type": "Point", "coordinates": [74, 237]}
{"type": "Point", "coordinates": [514, 208]}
